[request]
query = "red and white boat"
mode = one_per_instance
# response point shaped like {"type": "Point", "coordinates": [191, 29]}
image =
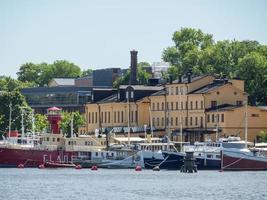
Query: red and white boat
{"type": "Point", "coordinates": [51, 148]}
{"type": "Point", "coordinates": [244, 158]}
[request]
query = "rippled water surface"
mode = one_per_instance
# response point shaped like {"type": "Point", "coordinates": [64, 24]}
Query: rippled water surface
{"type": "Point", "coordinates": [128, 184]}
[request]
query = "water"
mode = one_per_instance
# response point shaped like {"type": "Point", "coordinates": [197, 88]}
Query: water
{"type": "Point", "coordinates": [69, 184]}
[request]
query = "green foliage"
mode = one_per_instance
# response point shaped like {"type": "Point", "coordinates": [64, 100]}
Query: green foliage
{"type": "Point", "coordinates": [41, 74]}
{"type": "Point", "coordinates": [88, 72]}
{"type": "Point", "coordinates": [78, 120]}
{"type": "Point", "coordinates": [196, 50]}
{"type": "Point", "coordinates": [18, 102]}
{"type": "Point", "coordinates": [41, 122]}
{"type": "Point", "coordinates": [263, 136]}
{"type": "Point", "coordinates": [142, 75]}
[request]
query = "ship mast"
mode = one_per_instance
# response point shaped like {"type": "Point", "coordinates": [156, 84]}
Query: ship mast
{"type": "Point", "coordinates": [181, 121]}
{"type": "Point", "coordinates": [246, 125]}
{"type": "Point", "coordinates": [128, 106]}
{"type": "Point", "coordinates": [10, 113]}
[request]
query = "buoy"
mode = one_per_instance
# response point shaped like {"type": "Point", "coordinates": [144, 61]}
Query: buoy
{"type": "Point", "coordinates": [156, 168]}
{"type": "Point", "coordinates": [94, 167]}
{"type": "Point", "coordinates": [138, 168]}
{"type": "Point", "coordinates": [20, 165]}
{"type": "Point", "coordinates": [41, 166]}
{"type": "Point", "coordinates": [78, 167]}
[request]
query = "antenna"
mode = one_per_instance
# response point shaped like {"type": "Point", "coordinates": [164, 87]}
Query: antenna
{"type": "Point", "coordinates": [10, 113]}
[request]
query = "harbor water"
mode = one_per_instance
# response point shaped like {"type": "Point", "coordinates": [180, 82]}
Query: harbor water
{"type": "Point", "coordinates": [69, 184]}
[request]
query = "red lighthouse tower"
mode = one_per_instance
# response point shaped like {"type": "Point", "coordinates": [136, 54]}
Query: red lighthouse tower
{"type": "Point", "coordinates": [54, 117]}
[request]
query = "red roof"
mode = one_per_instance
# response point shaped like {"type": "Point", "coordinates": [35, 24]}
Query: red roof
{"type": "Point", "coordinates": [54, 108]}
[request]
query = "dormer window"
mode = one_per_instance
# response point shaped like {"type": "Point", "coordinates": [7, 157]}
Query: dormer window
{"type": "Point", "coordinates": [132, 94]}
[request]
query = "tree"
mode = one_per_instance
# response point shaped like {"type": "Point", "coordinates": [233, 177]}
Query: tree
{"type": "Point", "coordinates": [88, 72]}
{"type": "Point", "coordinates": [78, 120]}
{"type": "Point", "coordinates": [29, 72]}
{"type": "Point", "coordinates": [18, 105]}
{"type": "Point", "coordinates": [263, 136]}
{"type": "Point", "coordinates": [142, 75]}
{"type": "Point", "coordinates": [253, 69]}
{"type": "Point", "coordinates": [41, 74]}
{"type": "Point", "coordinates": [188, 43]}
{"type": "Point", "coordinates": [41, 122]}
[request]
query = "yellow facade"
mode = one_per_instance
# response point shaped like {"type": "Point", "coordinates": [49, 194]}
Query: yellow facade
{"type": "Point", "coordinates": [189, 106]}
{"type": "Point", "coordinates": [115, 114]}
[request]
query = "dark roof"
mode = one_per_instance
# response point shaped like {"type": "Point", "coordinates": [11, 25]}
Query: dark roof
{"type": "Point", "coordinates": [141, 87]}
{"type": "Point", "coordinates": [209, 87]}
{"type": "Point", "coordinates": [193, 78]}
{"type": "Point", "coordinates": [57, 89]}
{"type": "Point", "coordinates": [223, 107]}
{"type": "Point", "coordinates": [159, 93]}
{"type": "Point", "coordinates": [109, 99]}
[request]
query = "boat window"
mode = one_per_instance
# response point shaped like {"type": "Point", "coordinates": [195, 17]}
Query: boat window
{"type": "Point", "coordinates": [96, 153]}
{"type": "Point", "coordinates": [47, 139]}
{"type": "Point", "coordinates": [218, 156]}
{"type": "Point", "coordinates": [58, 139]}
{"type": "Point", "coordinates": [54, 139]}
{"type": "Point", "coordinates": [209, 156]}
{"type": "Point", "coordinates": [112, 154]}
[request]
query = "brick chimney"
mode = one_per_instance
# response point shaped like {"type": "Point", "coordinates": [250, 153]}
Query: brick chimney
{"type": "Point", "coordinates": [133, 74]}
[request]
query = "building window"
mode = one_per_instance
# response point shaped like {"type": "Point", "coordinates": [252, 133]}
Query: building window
{"type": "Point", "coordinates": [239, 103]}
{"type": "Point", "coordinates": [96, 117]}
{"type": "Point", "coordinates": [181, 90]}
{"type": "Point", "coordinates": [213, 104]}
{"type": "Point", "coordinates": [191, 121]}
{"type": "Point", "coordinates": [162, 106]}
{"type": "Point", "coordinates": [105, 117]}
{"type": "Point", "coordinates": [162, 121]}
{"type": "Point", "coordinates": [202, 104]}
{"type": "Point", "coordinates": [153, 106]}
{"type": "Point", "coordinates": [182, 105]}
{"type": "Point", "coordinates": [217, 118]}
{"type": "Point", "coordinates": [176, 121]}
{"type": "Point", "coordinates": [108, 117]}
{"type": "Point", "coordinates": [201, 121]}
{"type": "Point", "coordinates": [177, 90]}
{"type": "Point", "coordinates": [177, 105]}
{"type": "Point", "coordinates": [167, 105]}
{"type": "Point", "coordinates": [186, 105]}
{"type": "Point", "coordinates": [212, 118]}
{"type": "Point", "coordinates": [115, 117]}
{"type": "Point", "coordinates": [196, 105]}
{"type": "Point", "coordinates": [191, 105]}
{"type": "Point", "coordinates": [208, 119]}
{"type": "Point", "coordinates": [89, 117]}
{"type": "Point", "coordinates": [222, 117]}
{"type": "Point", "coordinates": [171, 121]}
{"type": "Point", "coordinates": [157, 106]}
{"type": "Point", "coordinates": [171, 105]}
{"type": "Point", "coordinates": [121, 116]}
{"type": "Point", "coordinates": [136, 116]}
{"type": "Point", "coordinates": [196, 121]}
{"type": "Point", "coordinates": [153, 121]}
{"type": "Point", "coordinates": [255, 115]}
{"type": "Point", "coordinates": [157, 121]}
{"type": "Point", "coordinates": [186, 121]}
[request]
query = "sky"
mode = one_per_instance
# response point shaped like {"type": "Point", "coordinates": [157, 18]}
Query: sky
{"type": "Point", "coordinates": [100, 33]}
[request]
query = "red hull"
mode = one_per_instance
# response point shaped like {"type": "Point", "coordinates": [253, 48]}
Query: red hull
{"type": "Point", "coordinates": [31, 157]}
{"type": "Point", "coordinates": [243, 163]}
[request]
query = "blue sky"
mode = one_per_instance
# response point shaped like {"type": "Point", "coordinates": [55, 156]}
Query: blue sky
{"type": "Point", "coordinates": [100, 33]}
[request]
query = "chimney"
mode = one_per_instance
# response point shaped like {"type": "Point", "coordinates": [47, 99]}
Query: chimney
{"type": "Point", "coordinates": [189, 74]}
{"type": "Point", "coordinates": [133, 74]}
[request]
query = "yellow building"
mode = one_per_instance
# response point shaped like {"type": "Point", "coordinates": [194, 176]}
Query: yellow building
{"type": "Point", "coordinates": [126, 108]}
{"type": "Point", "coordinates": [185, 105]}
{"type": "Point", "coordinates": [188, 105]}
